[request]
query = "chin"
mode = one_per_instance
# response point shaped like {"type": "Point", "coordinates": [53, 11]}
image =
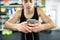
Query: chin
{"type": "Point", "coordinates": [31, 8]}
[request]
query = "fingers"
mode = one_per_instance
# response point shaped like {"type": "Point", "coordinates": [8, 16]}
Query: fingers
{"type": "Point", "coordinates": [33, 25]}
{"type": "Point", "coordinates": [35, 29]}
{"type": "Point", "coordinates": [22, 29]}
{"type": "Point", "coordinates": [23, 23]}
{"type": "Point", "coordinates": [27, 29]}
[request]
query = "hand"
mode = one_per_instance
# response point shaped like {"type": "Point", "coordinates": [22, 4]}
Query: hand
{"type": "Point", "coordinates": [35, 27]}
{"type": "Point", "coordinates": [23, 27]}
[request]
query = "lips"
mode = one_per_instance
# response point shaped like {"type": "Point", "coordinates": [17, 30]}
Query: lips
{"type": "Point", "coordinates": [28, 7]}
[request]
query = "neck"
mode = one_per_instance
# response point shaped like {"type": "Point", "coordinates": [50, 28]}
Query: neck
{"type": "Point", "coordinates": [29, 11]}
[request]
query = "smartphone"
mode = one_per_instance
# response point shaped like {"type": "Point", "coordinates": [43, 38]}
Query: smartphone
{"type": "Point", "coordinates": [31, 21]}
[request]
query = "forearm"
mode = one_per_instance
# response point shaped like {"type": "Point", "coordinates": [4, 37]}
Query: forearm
{"type": "Point", "coordinates": [46, 26]}
{"type": "Point", "coordinates": [11, 26]}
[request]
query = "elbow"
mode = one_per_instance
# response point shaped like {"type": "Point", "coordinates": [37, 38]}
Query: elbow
{"type": "Point", "coordinates": [52, 25]}
{"type": "Point", "coordinates": [6, 25]}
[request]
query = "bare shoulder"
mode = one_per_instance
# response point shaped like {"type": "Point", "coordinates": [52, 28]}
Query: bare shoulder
{"type": "Point", "coordinates": [43, 15]}
{"type": "Point", "coordinates": [40, 11]}
{"type": "Point", "coordinates": [18, 12]}
{"type": "Point", "coordinates": [15, 16]}
{"type": "Point", "coordinates": [38, 8]}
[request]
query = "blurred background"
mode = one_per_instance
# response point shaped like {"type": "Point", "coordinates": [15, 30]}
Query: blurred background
{"type": "Point", "coordinates": [50, 7]}
{"type": "Point", "coordinates": [8, 8]}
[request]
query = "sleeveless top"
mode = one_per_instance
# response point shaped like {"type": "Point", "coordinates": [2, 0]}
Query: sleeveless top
{"type": "Point", "coordinates": [23, 18]}
{"type": "Point", "coordinates": [29, 35]}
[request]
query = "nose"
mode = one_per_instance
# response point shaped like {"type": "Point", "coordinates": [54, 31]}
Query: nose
{"type": "Point", "coordinates": [28, 3]}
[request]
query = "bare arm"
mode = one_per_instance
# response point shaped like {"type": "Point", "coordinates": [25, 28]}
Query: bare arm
{"type": "Point", "coordinates": [11, 22]}
{"type": "Point", "coordinates": [48, 22]}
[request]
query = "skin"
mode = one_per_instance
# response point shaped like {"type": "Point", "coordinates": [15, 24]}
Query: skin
{"type": "Point", "coordinates": [29, 12]}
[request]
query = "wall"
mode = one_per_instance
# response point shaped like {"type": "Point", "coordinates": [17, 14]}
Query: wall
{"type": "Point", "coordinates": [53, 10]}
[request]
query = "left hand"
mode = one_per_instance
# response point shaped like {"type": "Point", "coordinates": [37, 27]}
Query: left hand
{"type": "Point", "coordinates": [35, 27]}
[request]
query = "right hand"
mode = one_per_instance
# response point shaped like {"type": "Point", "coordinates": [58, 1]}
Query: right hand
{"type": "Point", "coordinates": [23, 27]}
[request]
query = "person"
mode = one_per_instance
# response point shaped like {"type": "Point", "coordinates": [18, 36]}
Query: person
{"type": "Point", "coordinates": [29, 12]}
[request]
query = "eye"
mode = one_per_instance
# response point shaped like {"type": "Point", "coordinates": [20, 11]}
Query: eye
{"type": "Point", "coordinates": [31, 1]}
{"type": "Point", "coordinates": [25, 1]}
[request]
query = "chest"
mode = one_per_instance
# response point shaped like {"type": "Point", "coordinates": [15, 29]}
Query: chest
{"type": "Point", "coordinates": [33, 15]}
{"type": "Point", "coordinates": [29, 15]}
